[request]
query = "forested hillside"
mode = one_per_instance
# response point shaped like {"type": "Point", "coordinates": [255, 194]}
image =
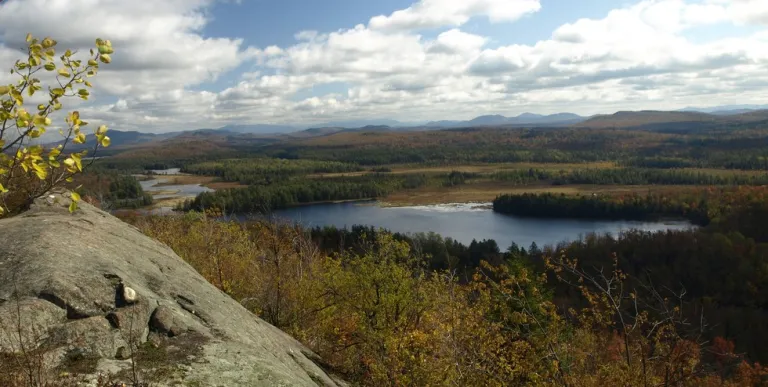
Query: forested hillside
{"type": "Point", "coordinates": [670, 308]}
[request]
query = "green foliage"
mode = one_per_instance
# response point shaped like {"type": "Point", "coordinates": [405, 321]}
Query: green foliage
{"type": "Point", "coordinates": [264, 171]}
{"type": "Point", "coordinates": [630, 207]}
{"type": "Point", "coordinates": [263, 199]}
{"type": "Point", "coordinates": [29, 171]}
{"type": "Point", "coordinates": [111, 190]}
{"type": "Point", "coordinates": [378, 315]}
{"type": "Point", "coordinates": [629, 176]}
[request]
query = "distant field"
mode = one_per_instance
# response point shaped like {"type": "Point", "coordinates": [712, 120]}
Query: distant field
{"type": "Point", "coordinates": [477, 168]}
{"type": "Point", "coordinates": [725, 172]}
{"type": "Point", "coordinates": [206, 181]}
{"type": "Point", "coordinates": [486, 192]}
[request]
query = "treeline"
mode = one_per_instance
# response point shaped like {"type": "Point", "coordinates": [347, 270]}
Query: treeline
{"type": "Point", "coordinates": [112, 190]}
{"type": "Point", "coordinates": [468, 153]}
{"type": "Point", "coordinates": [629, 207]}
{"type": "Point", "coordinates": [265, 171]}
{"type": "Point", "coordinates": [720, 276]}
{"type": "Point", "coordinates": [126, 192]}
{"type": "Point", "coordinates": [629, 176]}
{"type": "Point", "coordinates": [374, 309]}
{"type": "Point", "coordinates": [740, 160]}
{"type": "Point", "coordinates": [722, 148]}
{"type": "Point", "coordinates": [284, 193]}
{"type": "Point", "coordinates": [438, 253]}
{"type": "Point", "coordinates": [719, 269]}
{"type": "Point", "coordinates": [263, 199]}
{"type": "Point", "coordinates": [725, 207]}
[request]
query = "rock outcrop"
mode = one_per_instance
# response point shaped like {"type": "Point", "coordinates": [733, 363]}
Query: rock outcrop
{"type": "Point", "coordinates": [88, 293]}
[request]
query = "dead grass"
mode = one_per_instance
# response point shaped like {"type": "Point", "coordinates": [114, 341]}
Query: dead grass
{"type": "Point", "coordinates": [477, 168]}
{"type": "Point", "coordinates": [725, 172]}
{"type": "Point", "coordinates": [486, 192]}
{"type": "Point", "coordinates": [205, 181]}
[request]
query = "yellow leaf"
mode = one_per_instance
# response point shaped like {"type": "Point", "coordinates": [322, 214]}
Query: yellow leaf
{"type": "Point", "coordinates": [4, 90]}
{"type": "Point", "coordinates": [105, 58]}
{"type": "Point", "coordinates": [48, 43]}
{"type": "Point", "coordinates": [39, 120]}
{"type": "Point", "coordinates": [41, 171]}
{"type": "Point", "coordinates": [64, 73]}
{"type": "Point", "coordinates": [105, 142]}
{"type": "Point", "coordinates": [57, 91]}
{"type": "Point", "coordinates": [92, 62]}
{"type": "Point", "coordinates": [78, 161]}
{"type": "Point", "coordinates": [79, 139]}
{"type": "Point", "coordinates": [75, 196]}
{"type": "Point", "coordinates": [3, 189]}
{"type": "Point", "coordinates": [29, 38]}
{"type": "Point", "coordinates": [50, 66]}
{"type": "Point", "coordinates": [72, 207]}
{"type": "Point", "coordinates": [101, 130]}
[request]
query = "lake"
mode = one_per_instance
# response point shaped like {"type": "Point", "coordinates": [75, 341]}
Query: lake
{"type": "Point", "coordinates": [464, 222]}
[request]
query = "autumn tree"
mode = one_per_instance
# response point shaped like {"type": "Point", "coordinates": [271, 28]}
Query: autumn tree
{"type": "Point", "coordinates": [28, 108]}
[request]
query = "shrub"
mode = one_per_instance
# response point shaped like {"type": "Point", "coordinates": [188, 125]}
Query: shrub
{"type": "Point", "coordinates": [27, 170]}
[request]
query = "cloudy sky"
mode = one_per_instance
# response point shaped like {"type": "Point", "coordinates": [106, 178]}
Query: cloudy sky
{"type": "Point", "coordinates": [187, 64]}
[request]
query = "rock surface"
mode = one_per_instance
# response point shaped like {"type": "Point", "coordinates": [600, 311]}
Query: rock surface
{"type": "Point", "coordinates": [92, 293]}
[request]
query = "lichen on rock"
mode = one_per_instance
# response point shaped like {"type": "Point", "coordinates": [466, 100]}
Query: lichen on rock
{"type": "Point", "coordinates": [89, 286]}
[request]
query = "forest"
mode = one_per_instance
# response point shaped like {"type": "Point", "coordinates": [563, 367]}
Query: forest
{"type": "Point", "coordinates": [382, 308]}
{"type": "Point", "coordinates": [629, 207]}
{"type": "Point", "coordinates": [670, 308]}
{"type": "Point", "coordinates": [111, 190]}
{"type": "Point", "coordinates": [284, 183]}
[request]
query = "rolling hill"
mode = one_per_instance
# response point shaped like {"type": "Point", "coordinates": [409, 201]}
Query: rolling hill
{"type": "Point", "coordinates": [525, 119]}
{"type": "Point", "coordinates": [650, 119]}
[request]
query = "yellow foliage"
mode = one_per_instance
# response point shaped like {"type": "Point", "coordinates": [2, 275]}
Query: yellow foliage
{"type": "Point", "coordinates": [21, 164]}
{"type": "Point", "coordinates": [379, 318]}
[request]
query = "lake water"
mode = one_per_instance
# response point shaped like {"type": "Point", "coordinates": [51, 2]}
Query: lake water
{"type": "Point", "coordinates": [180, 190]}
{"type": "Point", "coordinates": [464, 222]}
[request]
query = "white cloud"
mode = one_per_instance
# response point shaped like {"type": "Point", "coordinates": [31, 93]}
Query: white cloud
{"type": "Point", "coordinates": [456, 42]}
{"type": "Point", "coordinates": [159, 46]}
{"type": "Point", "coordinates": [634, 57]}
{"type": "Point", "coordinates": [439, 13]}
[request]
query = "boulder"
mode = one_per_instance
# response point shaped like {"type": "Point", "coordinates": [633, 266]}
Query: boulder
{"type": "Point", "coordinates": [97, 297]}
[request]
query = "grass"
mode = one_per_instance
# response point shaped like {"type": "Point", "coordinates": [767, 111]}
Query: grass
{"type": "Point", "coordinates": [476, 168]}
{"type": "Point", "coordinates": [487, 191]}
{"type": "Point", "coordinates": [478, 190]}
{"type": "Point", "coordinates": [206, 181]}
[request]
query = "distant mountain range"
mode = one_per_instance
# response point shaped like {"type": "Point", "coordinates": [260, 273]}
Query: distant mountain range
{"type": "Point", "coordinates": [560, 119]}
{"type": "Point", "coordinates": [726, 109]}
{"type": "Point", "coordinates": [673, 120]}
{"type": "Point", "coordinates": [685, 119]}
{"type": "Point", "coordinates": [525, 119]}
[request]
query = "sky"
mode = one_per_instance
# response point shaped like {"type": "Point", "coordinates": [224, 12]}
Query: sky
{"type": "Point", "coordinates": [190, 64]}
